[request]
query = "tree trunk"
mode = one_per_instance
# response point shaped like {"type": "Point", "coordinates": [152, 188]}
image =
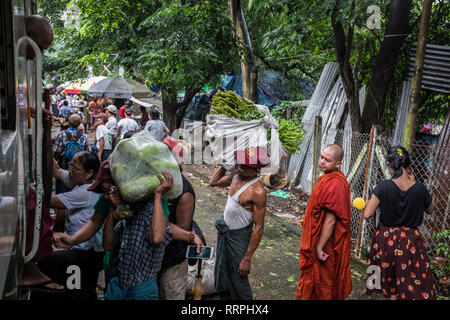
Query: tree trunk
{"type": "Point", "coordinates": [384, 65]}
{"type": "Point", "coordinates": [182, 106]}
{"type": "Point", "coordinates": [248, 67]}
{"type": "Point", "coordinates": [170, 106]}
{"type": "Point", "coordinates": [343, 47]}
{"type": "Point", "coordinates": [413, 108]}
{"type": "Point", "coordinates": [174, 111]}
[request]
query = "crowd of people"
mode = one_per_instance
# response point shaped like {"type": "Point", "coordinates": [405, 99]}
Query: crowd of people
{"type": "Point", "coordinates": [84, 231]}
{"type": "Point", "coordinates": [77, 117]}
{"type": "Point", "coordinates": [143, 255]}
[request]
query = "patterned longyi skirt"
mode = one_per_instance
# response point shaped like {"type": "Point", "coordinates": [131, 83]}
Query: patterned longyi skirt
{"type": "Point", "coordinates": [400, 254]}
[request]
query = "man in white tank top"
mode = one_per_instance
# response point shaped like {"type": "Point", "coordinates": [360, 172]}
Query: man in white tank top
{"type": "Point", "coordinates": [246, 205]}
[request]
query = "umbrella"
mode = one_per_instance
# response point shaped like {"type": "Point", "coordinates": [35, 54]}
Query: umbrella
{"type": "Point", "coordinates": [119, 88]}
{"type": "Point", "coordinates": [82, 86]}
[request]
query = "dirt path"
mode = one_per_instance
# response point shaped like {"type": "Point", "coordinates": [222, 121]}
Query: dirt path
{"type": "Point", "coordinates": [274, 273]}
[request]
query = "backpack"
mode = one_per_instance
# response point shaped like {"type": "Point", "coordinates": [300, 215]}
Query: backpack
{"type": "Point", "coordinates": [73, 146]}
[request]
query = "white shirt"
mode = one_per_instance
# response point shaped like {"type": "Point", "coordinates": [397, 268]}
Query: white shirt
{"type": "Point", "coordinates": [126, 125]}
{"type": "Point", "coordinates": [235, 215]}
{"type": "Point", "coordinates": [156, 128]}
{"type": "Point", "coordinates": [103, 132]}
{"type": "Point", "coordinates": [111, 124]}
{"type": "Point", "coordinates": [79, 203]}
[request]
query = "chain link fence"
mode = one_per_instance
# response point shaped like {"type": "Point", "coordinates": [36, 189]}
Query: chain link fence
{"type": "Point", "coordinates": [364, 165]}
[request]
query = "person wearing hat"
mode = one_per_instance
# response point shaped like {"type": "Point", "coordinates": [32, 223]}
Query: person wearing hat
{"type": "Point", "coordinates": [103, 137]}
{"type": "Point", "coordinates": [237, 239]}
{"type": "Point", "coordinates": [83, 108]}
{"type": "Point", "coordinates": [105, 206]}
{"type": "Point", "coordinates": [127, 124]}
{"type": "Point", "coordinates": [80, 111]}
{"type": "Point", "coordinates": [156, 126]}
{"type": "Point", "coordinates": [111, 124]}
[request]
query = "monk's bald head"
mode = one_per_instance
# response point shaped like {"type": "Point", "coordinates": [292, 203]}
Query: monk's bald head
{"type": "Point", "coordinates": [331, 158]}
{"type": "Point", "coordinates": [336, 150]}
{"type": "Point", "coordinates": [74, 120]}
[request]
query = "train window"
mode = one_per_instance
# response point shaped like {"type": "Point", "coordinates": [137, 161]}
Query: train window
{"type": "Point", "coordinates": [7, 83]}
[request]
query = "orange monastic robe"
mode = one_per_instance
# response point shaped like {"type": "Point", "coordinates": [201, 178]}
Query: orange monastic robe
{"type": "Point", "coordinates": [330, 279]}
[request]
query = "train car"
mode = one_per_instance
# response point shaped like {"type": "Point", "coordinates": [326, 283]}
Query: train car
{"type": "Point", "coordinates": [20, 140]}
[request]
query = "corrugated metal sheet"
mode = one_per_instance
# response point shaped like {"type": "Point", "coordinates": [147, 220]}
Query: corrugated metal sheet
{"type": "Point", "coordinates": [402, 110]}
{"type": "Point", "coordinates": [436, 78]}
{"type": "Point", "coordinates": [326, 81]}
{"type": "Point", "coordinates": [328, 101]}
{"type": "Point", "coordinates": [436, 70]}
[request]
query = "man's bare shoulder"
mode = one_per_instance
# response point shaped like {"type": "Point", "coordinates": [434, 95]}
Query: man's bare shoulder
{"type": "Point", "coordinates": [259, 190]}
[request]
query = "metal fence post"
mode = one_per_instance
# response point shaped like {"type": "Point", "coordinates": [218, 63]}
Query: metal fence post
{"type": "Point", "coordinates": [317, 145]}
{"type": "Point", "coordinates": [366, 178]}
{"type": "Point", "coordinates": [364, 230]}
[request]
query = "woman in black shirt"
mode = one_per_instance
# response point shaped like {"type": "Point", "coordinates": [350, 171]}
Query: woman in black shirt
{"type": "Point", "coordinates": [398, 249]}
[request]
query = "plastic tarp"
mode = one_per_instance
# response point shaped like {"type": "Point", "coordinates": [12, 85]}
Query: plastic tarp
{"type": "Point", "coordinates": [227, 135]}
{"type": "Point", "coordinates": [271, 87]}
{"type": "Point", "coordinates": [199, 107]}
{"type": "Point", "coordinates": [135, 164]}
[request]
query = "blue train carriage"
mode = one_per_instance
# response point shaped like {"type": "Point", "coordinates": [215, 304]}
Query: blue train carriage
{"type": "Point", "coordinates": [21, 136]}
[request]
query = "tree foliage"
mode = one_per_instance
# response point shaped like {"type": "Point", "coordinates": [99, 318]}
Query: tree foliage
{"type": "Point", "coordinates": [187, 44]}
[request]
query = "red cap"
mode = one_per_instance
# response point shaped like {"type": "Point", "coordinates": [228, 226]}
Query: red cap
{"type": "Point", "coordinates": [103, 174]}
{"type": "Point", "coordinates": [253, 157]}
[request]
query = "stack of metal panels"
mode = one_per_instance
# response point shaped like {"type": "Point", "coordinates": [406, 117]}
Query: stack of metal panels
{"type": "Point", "coordinates": [326, 81]}
{"type": "Point", "coordinates": [329, 102]}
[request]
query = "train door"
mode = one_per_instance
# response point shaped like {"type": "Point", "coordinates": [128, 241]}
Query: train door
{"type": "Point", "coordinates": [8, 157]}
{"type": "Point", "coordinates": [17, 77]}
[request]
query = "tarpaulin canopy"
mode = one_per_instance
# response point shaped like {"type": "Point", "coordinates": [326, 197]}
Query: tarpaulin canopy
{"type": "Point", "coordinates": [82, 86]}
{"type": "Point", "coordinates": [148, 102]}
{"type": "Point", "coordinates": [119, 88]}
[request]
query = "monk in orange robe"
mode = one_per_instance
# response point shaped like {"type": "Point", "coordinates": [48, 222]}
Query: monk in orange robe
{"type": "Point", "coordinates": [325, 245]}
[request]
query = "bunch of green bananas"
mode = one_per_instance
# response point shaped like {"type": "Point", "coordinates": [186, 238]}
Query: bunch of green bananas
{"type": "Point", "coordinates": [229, 104]}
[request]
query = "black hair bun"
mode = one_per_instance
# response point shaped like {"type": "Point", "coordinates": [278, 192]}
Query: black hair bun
{"type": "Point", "coordinates": [397, 158]}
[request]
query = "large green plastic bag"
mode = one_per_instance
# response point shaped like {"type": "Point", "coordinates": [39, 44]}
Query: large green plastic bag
{"type": "Point", "coordinates": [135, 164]}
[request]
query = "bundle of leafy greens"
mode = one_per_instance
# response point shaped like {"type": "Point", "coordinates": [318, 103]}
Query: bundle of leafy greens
{"type": "Point", "coordinates": [229, 104]}
{"type": "Point", "coordinates": [291, 131]}
{"type": "Point", "coordinates": [290, 134]}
